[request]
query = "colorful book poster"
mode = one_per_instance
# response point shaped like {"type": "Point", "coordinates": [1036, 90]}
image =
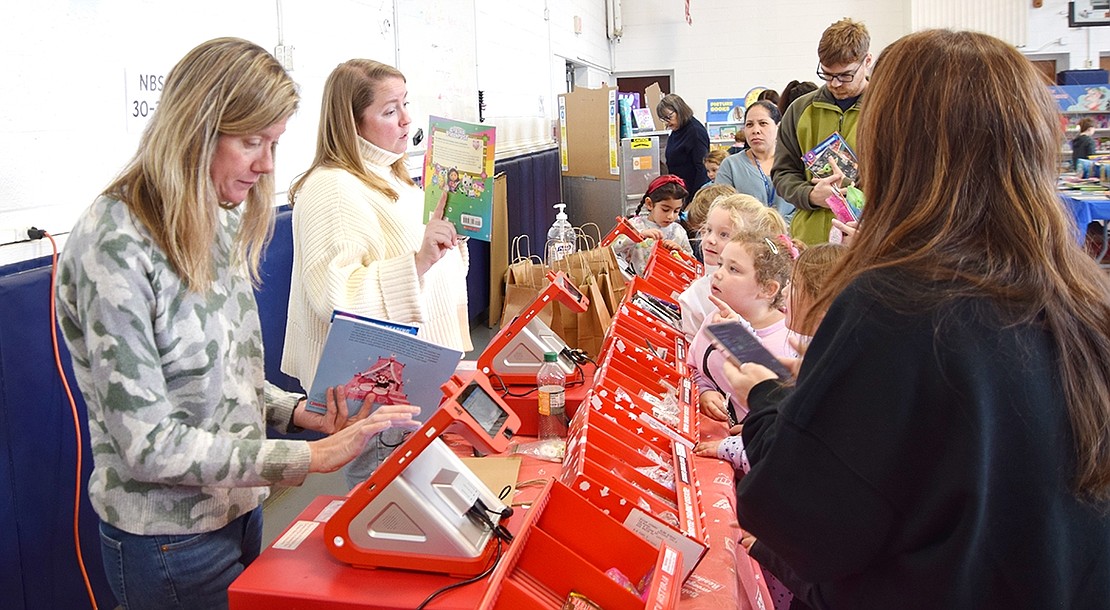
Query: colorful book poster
{"type": "Point", "coordinates": [459, 161]}
{"type": "Point", "coordinates": [381, 361]}
{"type": "Point", "coordinates": [725, 110]}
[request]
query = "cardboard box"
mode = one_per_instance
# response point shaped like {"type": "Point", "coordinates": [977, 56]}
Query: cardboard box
{"type": "Point", "coordinates": [498, 248]}
{"type": "Point", "coordinates": [652, 96]}
{"type": "Point", "coordinates": [588, 143]}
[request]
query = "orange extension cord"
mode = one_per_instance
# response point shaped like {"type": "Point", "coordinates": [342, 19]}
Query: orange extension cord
{"type": "Point", "coordinates": [76, 418]}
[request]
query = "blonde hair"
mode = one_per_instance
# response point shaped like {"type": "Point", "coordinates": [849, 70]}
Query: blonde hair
{"type": "Point", "coordinates": [811, 269]}
{"type": "Point", "coordinates": [771, 258]}
{"type": "Point", "coordinates": [716, 155]}
{"type": "Point", "coordinates": [226, 86]}
{"type": "Point", "coordinates": [703, 199]}
{"type": "Point", "coordinates": [349, 90]}
{"type": "Point", "coordinates": [750, 214]}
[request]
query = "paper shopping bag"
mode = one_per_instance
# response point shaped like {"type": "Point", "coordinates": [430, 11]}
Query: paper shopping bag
{"type": "Point", "coordinates": [524, 280]}
{"type": "Point", "coordinates": [613, 287]}
{"type": "Point", "coordinates": [595, 321]}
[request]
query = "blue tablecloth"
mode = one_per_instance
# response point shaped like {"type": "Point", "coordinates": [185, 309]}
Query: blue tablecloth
{"type": "Point", "coordinates": [1085, 208]}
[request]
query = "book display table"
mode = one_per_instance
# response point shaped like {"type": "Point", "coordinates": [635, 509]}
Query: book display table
{"type": "Point", "coordinates": [629, 473]}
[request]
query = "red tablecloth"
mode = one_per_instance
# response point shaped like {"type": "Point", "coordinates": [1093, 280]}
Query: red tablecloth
{"type": "Point", "coordinates": [308, 577]}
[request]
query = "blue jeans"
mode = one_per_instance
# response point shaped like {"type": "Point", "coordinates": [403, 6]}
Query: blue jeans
{"type": "Point", "coordinates": [179, 572]}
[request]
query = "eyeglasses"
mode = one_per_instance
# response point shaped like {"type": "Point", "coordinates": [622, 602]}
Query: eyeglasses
{"type": "Point", "coordinates": [841, 77]}
{"type": "Point", "coordinates": [667, 117]}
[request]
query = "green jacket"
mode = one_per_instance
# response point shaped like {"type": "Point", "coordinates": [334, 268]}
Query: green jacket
{"type": "Point", "coordinates": [809, 120]}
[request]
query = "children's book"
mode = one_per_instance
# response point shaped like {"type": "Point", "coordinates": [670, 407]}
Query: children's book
{"type": "Point", "coordinates": [459, 162]}
{"type": "Point", "coordinates": [840, 208]}
{"type": "Point", "coordinates": [642, 118]}
{"type": "Point", "coordinates": [832, 151]}
{"type": "Point", "coordinates": [382, 359]}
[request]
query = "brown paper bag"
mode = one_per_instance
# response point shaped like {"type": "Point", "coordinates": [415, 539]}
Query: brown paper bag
{"type": "Point", "coordinates": [612, 290]}
{"type": "Point", "coordinates": [595, 321]}
{"type": "Point", "coordinates": [564, 321]}
{"type": "Point", "coordinates": [524, 280]}
{"type": "Point", "coordinates": [588, 262]}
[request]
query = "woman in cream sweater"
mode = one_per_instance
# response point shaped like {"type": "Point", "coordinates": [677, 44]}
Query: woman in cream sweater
{"type": "Point", "coordinates": [360, 243]}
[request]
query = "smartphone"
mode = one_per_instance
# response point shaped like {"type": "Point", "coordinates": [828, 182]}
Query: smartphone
{"type": "Point", "coordinates": [742, 346]}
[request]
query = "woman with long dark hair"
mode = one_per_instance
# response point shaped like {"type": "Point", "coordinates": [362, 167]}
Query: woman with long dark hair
{"type": "Point", "coordinates": [947, 444]}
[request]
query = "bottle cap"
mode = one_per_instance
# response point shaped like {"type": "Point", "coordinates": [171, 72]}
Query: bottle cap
{"type": "Point", "coordinates": [562, 214]}
{"type": "Point", "coordinates": [550, 357]}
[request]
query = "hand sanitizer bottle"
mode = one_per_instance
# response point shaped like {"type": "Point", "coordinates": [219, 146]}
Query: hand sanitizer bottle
{"type": "Point", "coordinates": [560, 237]}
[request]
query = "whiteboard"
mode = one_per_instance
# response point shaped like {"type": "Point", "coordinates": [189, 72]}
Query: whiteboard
{"type": "Point", "coordinates": [72, 71]}
{"type": "Point", "coordinates": [437, 53]}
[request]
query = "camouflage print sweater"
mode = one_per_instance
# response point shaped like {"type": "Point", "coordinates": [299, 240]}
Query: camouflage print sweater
{"type": "Point", "coordinates": [174, 381]}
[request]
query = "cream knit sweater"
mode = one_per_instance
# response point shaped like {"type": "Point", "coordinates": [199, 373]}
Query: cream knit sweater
{"type": "Point", "coordinates": [354, 250]}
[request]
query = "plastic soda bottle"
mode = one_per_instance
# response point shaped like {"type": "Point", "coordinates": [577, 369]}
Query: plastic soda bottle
{"type": "Point", "coordinates": [552, 381]}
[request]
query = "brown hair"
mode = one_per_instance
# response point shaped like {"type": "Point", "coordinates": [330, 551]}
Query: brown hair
{"type": "Point", "coordinates": [349, 90]}
{"type": "Point", "coordinates": [843, 42]}
{"type": "Point", "coordinates": [982, 219]}
{"type": "Point", "coordinates": [699, 206]}
{"type": "Point", "coordinates": [793, 90]}
{"type": "Point", "coordinates": [812, 268]}
{"type": "Point", "coordinates": [1085, 123]}
{"type": "Point", "coordinates": [677, 105]}
{"type": "Point", "coordinates": [769, 95]}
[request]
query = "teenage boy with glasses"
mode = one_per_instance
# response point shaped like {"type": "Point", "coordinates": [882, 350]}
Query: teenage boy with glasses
{"type": "Point", "coordinates": [844, 62]}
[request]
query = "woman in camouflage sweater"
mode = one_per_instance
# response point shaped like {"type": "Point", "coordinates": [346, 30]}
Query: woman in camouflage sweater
{"type": "Point", "coordinates": [156, 302]}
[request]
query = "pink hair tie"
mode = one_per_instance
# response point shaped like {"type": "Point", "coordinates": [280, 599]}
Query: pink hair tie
{"type": "Point", "coordinates": [790, 247]}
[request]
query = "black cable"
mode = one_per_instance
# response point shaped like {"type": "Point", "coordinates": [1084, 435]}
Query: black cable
{"type": "Point", "coordinates": [576, 356]}
{"type": "Point", "coordinates": [503, 515]}
{"type": "Point", "coordinates": [404, 437]}
{"type": "Point", "coordinates": [463, 583]}
{"type": "Point", "coordinates": [504, 387]}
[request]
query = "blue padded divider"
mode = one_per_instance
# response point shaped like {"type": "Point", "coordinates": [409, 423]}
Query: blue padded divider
{"type": "Point", "coordinates": [38, 564]}
{"type": "Point", "coordinates": [532, 186]}
{"type": "Point", "coordinates": [273, 297]}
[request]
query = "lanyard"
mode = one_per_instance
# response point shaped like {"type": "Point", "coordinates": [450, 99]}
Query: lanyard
{"type": "Point", "coordinates": [768, 186]}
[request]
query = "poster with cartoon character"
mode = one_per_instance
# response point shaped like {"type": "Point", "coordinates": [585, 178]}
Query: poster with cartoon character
{"type": "Point", "coordinates": [1094, 99]}
{"type": "Point", "coordinates": [459, 164]}
{"type": "Point", "coordinates": [1081, 98]}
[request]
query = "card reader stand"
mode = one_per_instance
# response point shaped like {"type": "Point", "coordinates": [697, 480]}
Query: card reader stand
{"type": "Point", "coordinates": [515, 354]}
{"type": "Point", "coordinates": [623, 227]}
{"type": "Point", "coordinates": [412, 513]}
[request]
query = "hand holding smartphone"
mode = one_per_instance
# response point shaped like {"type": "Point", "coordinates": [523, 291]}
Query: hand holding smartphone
{"type": "Point", "coordinates": [741, 346]}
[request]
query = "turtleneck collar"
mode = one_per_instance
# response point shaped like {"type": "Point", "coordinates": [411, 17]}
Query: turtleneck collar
{"type": "Point", "coordinates": [374, 155]}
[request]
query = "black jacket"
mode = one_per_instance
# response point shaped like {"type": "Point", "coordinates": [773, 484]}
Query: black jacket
{"type": "Point", "coordinates": [685, 154]}
{"type": "Point", "coordinates": [924, 461]}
